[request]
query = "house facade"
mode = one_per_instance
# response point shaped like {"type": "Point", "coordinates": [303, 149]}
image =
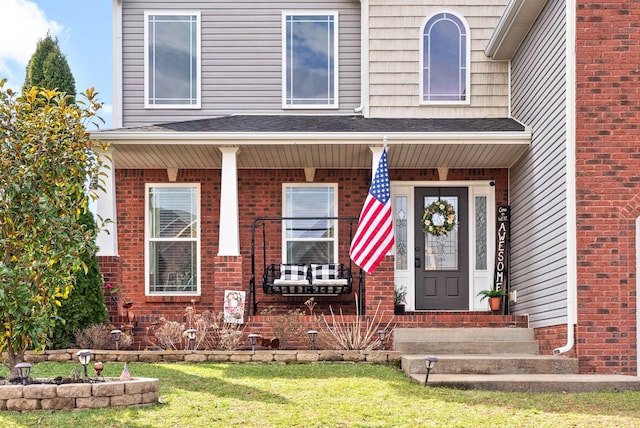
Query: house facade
{"type": "Point", "coordinates": [246, 134]}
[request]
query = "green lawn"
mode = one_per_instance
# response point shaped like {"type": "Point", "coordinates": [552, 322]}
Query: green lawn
{"type": "Point", "coordinates": [325, 395]}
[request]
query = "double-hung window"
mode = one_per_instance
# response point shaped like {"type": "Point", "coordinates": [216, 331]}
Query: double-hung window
{"type": "Point", "coordinates": [310, 60]}
{"type": "Point", "coordinates": [172, 59]}
{"type": "Point", "coordinates": [444, 61]}
{"type": "Point", "coordinates": [310, 240]}
{"type": "Point", "coordinates": [172, 244]}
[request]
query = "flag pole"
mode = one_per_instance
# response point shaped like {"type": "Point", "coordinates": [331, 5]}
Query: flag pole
{"type": "Point", "coordinates": [374, 236]}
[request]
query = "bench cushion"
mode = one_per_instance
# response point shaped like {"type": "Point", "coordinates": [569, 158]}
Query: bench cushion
{"type": "Point", "coordinates": [290, 281]}
{"type": "Point", "coordinates": [331, 282]}
{"type": "Point", "coordinates": [323, 272]}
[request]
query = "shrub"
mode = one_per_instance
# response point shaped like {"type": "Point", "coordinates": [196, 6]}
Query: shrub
{"type": "Point", "coordinates": [85, 306]}
{"type": "Point", "coordinates": [226, 336]}
{"type": "Point", "coordinates": [213, 332]}
{"type": "Point", "coordinates": [169, 334]}
{"type": "Point", "coordinates": [287, 326]}
{"type": "Point", "coordinates": [99, 337]}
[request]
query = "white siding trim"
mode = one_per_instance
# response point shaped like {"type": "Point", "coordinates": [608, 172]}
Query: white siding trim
{"type": "Point", "coordinates": [107, 239]}
{"type": "Point", "coordinates": [364, 59]}
{"type": "Point", "coordinates": [116, 121]}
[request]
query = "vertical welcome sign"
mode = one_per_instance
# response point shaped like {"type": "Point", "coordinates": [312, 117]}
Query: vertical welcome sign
{"type": "Point", "coordinates": [501, 277]}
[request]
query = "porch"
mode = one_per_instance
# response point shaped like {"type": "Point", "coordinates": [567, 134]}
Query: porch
{"type": "Point", "coordinates": [375, 295]}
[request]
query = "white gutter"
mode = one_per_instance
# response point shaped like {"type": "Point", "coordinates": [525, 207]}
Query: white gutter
{"type": "Point", "coordinates": [502, 28]}
{"type": "Point", "coordinates": [572, 280]}
{"type": "Point", "coordinates": [267, 138]}
{"type": "Point", "coordinates": [116, 98]}
{"type": "Point", "coordinates": [364, 59]}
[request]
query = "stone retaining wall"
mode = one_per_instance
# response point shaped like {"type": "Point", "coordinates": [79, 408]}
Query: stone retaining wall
{"type": "Point", "coordinates": [113, 392]}
{"type": "Point", "coordinates": [263, 356]}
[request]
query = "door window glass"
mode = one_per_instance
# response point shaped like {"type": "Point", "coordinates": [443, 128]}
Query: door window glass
{"type": "Point", "coordinates": [441, 252]}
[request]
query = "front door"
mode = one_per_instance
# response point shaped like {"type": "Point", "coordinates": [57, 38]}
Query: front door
{"type": "Point", "coordinates": [441, 262]}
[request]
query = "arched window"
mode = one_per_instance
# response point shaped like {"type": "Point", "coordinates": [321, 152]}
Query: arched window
{"type": "Point", "coordinates": [445, 59]}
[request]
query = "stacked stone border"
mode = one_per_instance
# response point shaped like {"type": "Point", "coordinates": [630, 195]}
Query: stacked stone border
{"type": "Point", "coordinates": [113, 392]}
{"type": "Point", "coordinates": [259, 356]}
{"type": "Point", "coordinates": [140, 391]}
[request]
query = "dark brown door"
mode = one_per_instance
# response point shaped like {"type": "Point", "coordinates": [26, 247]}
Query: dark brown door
{"type": "Point", "coordinates": [441, 262]}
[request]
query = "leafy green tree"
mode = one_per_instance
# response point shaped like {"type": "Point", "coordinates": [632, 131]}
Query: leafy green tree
{"type": "Point", "coordinates": [46, 155]}
{"type": "Point", "coordinates": [48, 68]}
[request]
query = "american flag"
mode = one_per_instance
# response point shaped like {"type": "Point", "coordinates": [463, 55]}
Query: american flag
{"type": "Point", "coordinates": [374, 236]}
{"type": "Point", "coordinates": [125, 375]}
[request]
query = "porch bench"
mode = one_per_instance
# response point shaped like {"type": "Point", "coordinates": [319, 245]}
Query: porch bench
{"type": "Point", "coordinates": [327, 279]}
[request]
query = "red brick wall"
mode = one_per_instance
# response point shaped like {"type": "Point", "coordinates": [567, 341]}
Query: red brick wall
{"type": "Point", "coordinates": [260, 195]}
{"type": "Point", "coordinates": [130, 223]}
{"type": "Point", "coordinates": [608, 162]}
{"type": "Point", "coordinates": [553, 337]}
{"type": "Point", "coordinates": [112, 273]}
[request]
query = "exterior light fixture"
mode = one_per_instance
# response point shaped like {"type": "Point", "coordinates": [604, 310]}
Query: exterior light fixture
{"type": "Point", "coordinates": [23, 371]}
{"type": "Point", "coordinates": [84, 356]}
{"type": "Point", "coordinates": [381, 336]}
{"type": "Point", "coordinates": [191, 334]}
{"type": "Point", "coordinates": [253, 338]}
{"type": "Point", "coordinates": [313, 334]}
{"type": "Point", "coordinates": [116, 337]}
{"type": "Point", "coordinates": [430, 361]}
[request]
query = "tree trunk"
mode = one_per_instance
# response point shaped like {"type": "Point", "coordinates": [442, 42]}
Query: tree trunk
{"type": "Point", "coordinates": [11, 361]}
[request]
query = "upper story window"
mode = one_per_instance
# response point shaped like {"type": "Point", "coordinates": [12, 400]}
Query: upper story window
{"type": "Point", "coordinates": [310, 60]}
{"type": "Point", "coordinates": [172, 59]}
{"type": "Point", "coordinates": [313, 240]}
{"type": "Point", "coordinates": [445, 60]}
{"type": "Point", "coordinates": [172, 239]}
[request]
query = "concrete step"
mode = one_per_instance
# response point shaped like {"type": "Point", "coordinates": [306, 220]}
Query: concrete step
{"type": "Point", "coordinates": [532, 382]}
{"type": "Point", "coordinates": [465, 340]}
{"type": "Point", "coordinates": [492, 364]}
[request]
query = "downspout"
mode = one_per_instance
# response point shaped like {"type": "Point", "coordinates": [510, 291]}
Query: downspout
{"type": "Point", "coordinates": [572, 286]}
{"type": "Point", "coordinates": [116, 121]}
{"type": "Point", "coordinates": [364, 57]}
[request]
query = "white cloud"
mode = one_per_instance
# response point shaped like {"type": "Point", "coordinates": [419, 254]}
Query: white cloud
{"type": "Point", "coordinates": [23, 24]}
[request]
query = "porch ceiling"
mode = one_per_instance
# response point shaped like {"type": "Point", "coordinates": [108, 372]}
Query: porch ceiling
{"type": "Point", "coordinates": [320, 142]}
{"type": "Point", "coordinates": [332, 156]}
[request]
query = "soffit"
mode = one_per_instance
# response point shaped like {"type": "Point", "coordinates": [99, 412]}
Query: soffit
{"type": "Point", "coordinates": [275, 142]}
{"type": "Point", "coordinates": [518, 18]}
{"type": "Point", "coordinates": [278, 156]}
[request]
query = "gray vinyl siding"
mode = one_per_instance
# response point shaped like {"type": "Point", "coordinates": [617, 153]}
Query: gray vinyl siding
{"type": "Point", "coordinates": [538, 179]}
{"type": "Point", "coordinates": [241, 58]}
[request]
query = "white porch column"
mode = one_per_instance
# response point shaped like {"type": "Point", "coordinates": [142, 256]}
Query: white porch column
{"type": "Point", "coordinates": [107, 240]}
{"type": "Point", "coordinates": [377, 154]}
{"type": "Point", "coordinates": [229, 244]}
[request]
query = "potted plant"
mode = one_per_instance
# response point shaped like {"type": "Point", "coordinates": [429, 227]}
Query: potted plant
{"type": "Point", "coordinates": [399, 295]}
{"type": "Point", "coordinates": [494, 296]}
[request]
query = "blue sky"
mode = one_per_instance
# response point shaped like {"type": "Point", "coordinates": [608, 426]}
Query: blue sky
{"type": "Point", "coordinates": [83, 29]}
